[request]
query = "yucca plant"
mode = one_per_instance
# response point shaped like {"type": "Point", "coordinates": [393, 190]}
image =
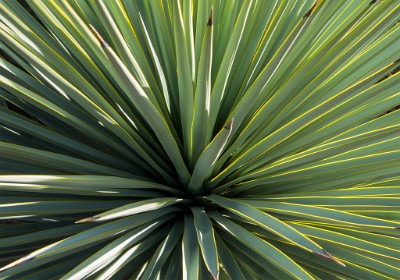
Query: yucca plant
{"type": "Point", "coordinates": [198, 139]}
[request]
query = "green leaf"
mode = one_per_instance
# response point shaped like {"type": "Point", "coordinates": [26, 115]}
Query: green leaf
{"type": "Point", "coordinates": [225, 67]}
{"type": "Point", "coordinates": [37, 208]}
{"type": "Point", "coordinates": [274, 255]}
{"type": "Point", "coordinates": [110, 252]}
{"type": "Point", "coordinates": [185, 76]}
{"type": "Point", "coordinates": [206, 240]}
{"type": "Point", "coordinates": [271, 224]}
{"type": "Point", "coordinates": [162, 252]}
{"type": "Point", "coordinates": [202, 96]}
{"type": "Point", "coordinates": [190, 250]}
{"type": "Point", "coordinates": [132, 209]}
{"type": "Point", "coordinates": [173, 267]}
{"type": "Point", "coordinates": [61, 163]}
{"type": "Point", "coordinates": [132, 253]}
{"type": "Point", "coordinates": [78, 241]}
{"type": "Point", "coordinates": [228, 261]}
{"type": "Point", "coordinates": [351, 241]}
{"type": "Point", "coordinates": [41, 236]}
{"type": "Point", "coordinates": [321, 214]}
{"type": "Point", "coordinates": [146, 107]}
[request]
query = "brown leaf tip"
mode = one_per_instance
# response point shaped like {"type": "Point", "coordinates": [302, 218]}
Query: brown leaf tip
{"type": "Point", "coordinates": [210, 18]}
{"type": "Point", "coordinates": [330, 257]}
{"type": "Point", "coordinates": [311, 9]}
{"type": "Point", "coordinates": [86, 220]}
{"type": "Point", "coordinates": [229, 124]}
{"type": "Point", "coordinates": [98, 36]}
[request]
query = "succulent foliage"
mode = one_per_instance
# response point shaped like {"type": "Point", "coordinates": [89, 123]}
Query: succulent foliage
{"type": "Point", "coordinates": [189, 139]}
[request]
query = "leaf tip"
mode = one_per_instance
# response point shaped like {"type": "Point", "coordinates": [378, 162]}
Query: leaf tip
{"type": "Point", "coordinates": [98, 36]}
{"type": "Point", "coordinates": [215, 276]}
{"type": "Point", "coordinates": [229, 124]}
{"type": "Point", "coordinates": [311, 9]}
{"type": "Point", "coordinates": [210, 18]}
{"type": "Point", "coordinates": [86, 220]}
{"type": "Point", "coordinates": [329, 257]}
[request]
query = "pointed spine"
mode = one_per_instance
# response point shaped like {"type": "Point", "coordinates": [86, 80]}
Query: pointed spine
{"type": "Point", "coordinates": [86, 220]}
{"type": "Point", "coordinates": [205, 164]}
{"type": "Point", "coordinates": [98, 37]}
{"type": "Point", "coordinates": [210, 18]}
{"type": "Point", "coordinates": [311, 9]}
{"type": "Point", "coordinates": [328, 256]}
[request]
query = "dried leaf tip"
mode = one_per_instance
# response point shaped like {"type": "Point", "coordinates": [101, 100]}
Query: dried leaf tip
{"type": "Point", "coordinates": [311, 9]}
{"type": "Point", "coordinates": [229, 124]}
{"type": "Point", "coordinates": [86, 220]}
{"type": "Point", "coordinates": [98, 36]}
{"type": "Point", "coordinates": [330, 257]}
{"type": "Point", "coordinates": [210, 18]}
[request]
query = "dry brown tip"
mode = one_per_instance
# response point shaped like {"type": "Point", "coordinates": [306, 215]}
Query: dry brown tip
{"type": "Point", "coordinates": [98, 36]}
{"type": "Point", "coordinates": [210, 18]}
{"type": "Point", "coordinates": [330, 257]}
{"type": "Point", "coordinates": [86, 220]}
{"type": "Point", "coordinates": [311, 9]}
{"type": "Point", "coordinates": [229, 124]}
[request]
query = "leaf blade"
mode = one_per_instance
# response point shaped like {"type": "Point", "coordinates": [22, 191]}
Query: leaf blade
{"type": "Point", "coordinates": [206, 240]}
